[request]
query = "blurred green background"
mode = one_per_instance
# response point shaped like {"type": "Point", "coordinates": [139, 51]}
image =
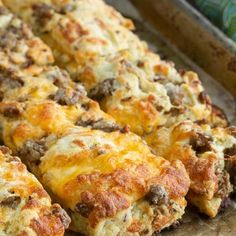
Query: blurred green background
{"type": "Point", "coordinates": [222, 13]}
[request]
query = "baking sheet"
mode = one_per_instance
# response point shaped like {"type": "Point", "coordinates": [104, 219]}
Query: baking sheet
{"type": "Point", "coordinates": [193, 223]}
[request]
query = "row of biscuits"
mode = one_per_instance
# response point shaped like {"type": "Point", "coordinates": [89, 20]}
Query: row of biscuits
{"type": "Point", "coordinates": [106, 177]}
{"type": "Point", "coordinates": [169, 109]}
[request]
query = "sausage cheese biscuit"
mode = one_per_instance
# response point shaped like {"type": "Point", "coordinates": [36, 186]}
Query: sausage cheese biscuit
{"type": "Point", "coordinates": [208, 155]}
{"type": "Point", "coordinates": [25, 207]}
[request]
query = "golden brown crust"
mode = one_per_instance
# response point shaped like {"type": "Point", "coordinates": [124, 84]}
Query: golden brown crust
{"type": "Point", "coordinates": [40, 226]}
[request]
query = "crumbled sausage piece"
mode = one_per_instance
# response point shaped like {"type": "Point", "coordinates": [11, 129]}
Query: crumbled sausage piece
{"type": "Point", "coordinates": [176, 111]}
{"type": "Point", "coordinates": [11, 202]}
{"type": "Point", "coordinates": [11, 111]}
{"type": "Point", "coordinates": [59, 78]}
{"type": "Point", "coordinates": [230, 151]}
{"type": "Point", "coordinates": [200, 143]}
{"type": "Point", "coordinates": [103, 89]}
{"type": "Point", "coordinates": [32, 151]}
{"type": "Point", "coordinates": [15, 83]}
{"type": "Point", "coordinates": [7, 41]}
{"type": "Point", "coordinates": [106, 126]}
{"type": "Point", "coordinates": [224, 186]}
{"type": "Point", "coordinates": [1, 96]}
{"type": "Point", "coordinates": [85, 123]}
{"type": "Point", "coordinates": [86, 106]}
{"type": "Point", "coordinates": [8, 77]}
{"type": "Point", "coordinates": [204, 98]}
{"type": "Point", "coordinates": [12, 34]}
{"type": "Point", "coordinates": [159, 78]}
{"type": "Point", "coordinates": [100, 124]}
{"type": "Point", "coordinates": [42, 13]}
{"type": "Point", "coordinates": [67, 8]}
{"type": "Point", "coordinates": [218, 112]}
{"type": "Point", "coordinates": [140, 63]}
{"type": "Point", "coordinates": [201, 122]}
{"type": "Point", "coordinates": [61, 213]}
{"type": "Point", "coordinates": [126, 99]}
{"type": "Point", "coordinates": [232, 131]}
{"type": "Point", "coordinates": [145, 232]}
{"type": "Point", "coordinates": [175, 96]}
{"type": "Point", "coordinates": [182, 72]}
{"type": "Point", "coordinates": [29, 62]}
{"type": "Point", "coordinates": [157, 195]}
{"type": "Point", "coordinates": [65, 96]}
{"type": "Point", "coordinates": [83, 209]}
{"type": "Point", "coordinates": [159, 108]}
